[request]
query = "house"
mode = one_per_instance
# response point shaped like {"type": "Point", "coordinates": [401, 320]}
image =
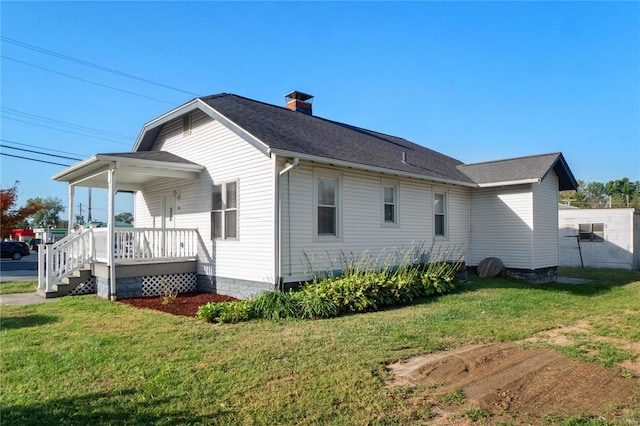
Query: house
{"type": "Point", "coordinates": [600, 238]}
{"type": "Point", "coordinates": [238, 196]}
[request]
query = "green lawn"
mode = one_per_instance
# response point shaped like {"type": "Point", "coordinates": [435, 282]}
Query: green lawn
{"type": "Point", "coordinates": [9, 287]}
{"type": "Point", "coordinates": [85, 360]}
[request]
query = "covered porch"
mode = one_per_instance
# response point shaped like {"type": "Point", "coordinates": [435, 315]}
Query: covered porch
{"type": "Point", "coordinates": [110, 255]}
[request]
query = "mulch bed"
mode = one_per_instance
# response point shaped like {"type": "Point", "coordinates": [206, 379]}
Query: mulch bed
{"type": "Point", "coordinates": [186, 304]}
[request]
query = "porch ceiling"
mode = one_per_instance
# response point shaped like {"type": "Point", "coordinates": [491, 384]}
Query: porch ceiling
{"type": "Point", "coordinates": [133, 170]}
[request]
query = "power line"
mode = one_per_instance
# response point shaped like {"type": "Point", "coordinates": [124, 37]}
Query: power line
{"type": "Point", "coordinates": [35, 146]}
{"type": "Point", "coordinates": [34, 159]}
{"type": "Point", "coordinates": [64, 123]}
{"type": "Point", "coordinates": [66, 131]}
{"type": "Point", "coordinates": [92, 65]}
{"type": "Point", "coordinates": [40, 152]}
{"type": "Point", "coordinates": [87, 81]}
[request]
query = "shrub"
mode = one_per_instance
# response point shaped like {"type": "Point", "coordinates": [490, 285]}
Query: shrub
{"type": "Point", "coordinates": [225, 312]}
{"type": "Point", "coordinates": [169, 291]}
{"type": "Point", "coordinates": [361, 287]}
{"type": "Point", "coordinates": [274, 305]}
{"type": "Point", "coordinates": [312, 303]}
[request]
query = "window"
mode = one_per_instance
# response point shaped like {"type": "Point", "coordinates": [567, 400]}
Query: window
{"type": "Point", "coordinates": [327, 206]}
{"type": "Point", "coordinates": [389, 203]}
{"type": "Point", "coordinates": [224, 211]}
{"type": "Point", "coordinates": [440, 214]}
{"type": "Point", "coordinates": [186, 124]}
{"type": "Point", "coordinates": [591, 232]}
{"type": "Point", "coordinates": [327, 200]}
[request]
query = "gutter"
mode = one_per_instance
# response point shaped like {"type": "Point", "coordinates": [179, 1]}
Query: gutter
{"type": "Point", "coordinates": [368, 168]}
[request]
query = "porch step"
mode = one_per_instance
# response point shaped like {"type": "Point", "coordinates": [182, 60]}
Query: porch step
{"type": "Point", "coordinates": [68, 284]}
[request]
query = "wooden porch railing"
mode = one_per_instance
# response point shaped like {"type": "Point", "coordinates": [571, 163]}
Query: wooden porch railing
{"type": "Point", "coordinates": [131, 245]}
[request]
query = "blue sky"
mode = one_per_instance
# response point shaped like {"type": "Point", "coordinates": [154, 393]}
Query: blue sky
{"type": "Point", "coordinates": [477, 81]}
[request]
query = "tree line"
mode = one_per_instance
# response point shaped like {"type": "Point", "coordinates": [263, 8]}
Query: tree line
{"type": "Point", "coordinates": [612, 194]}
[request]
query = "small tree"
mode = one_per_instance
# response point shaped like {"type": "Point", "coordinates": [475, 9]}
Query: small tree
{"type": "Point", "coordinates": [10, 215]}
{"type": "Point", "coordinates": [48, 214]}
{"type": "Point", "coordinates": [125, 217]}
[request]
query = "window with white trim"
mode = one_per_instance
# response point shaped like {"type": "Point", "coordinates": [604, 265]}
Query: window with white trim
{"type": "Point", "coordinates": [440, 214]}
{"type": "Point", "coordinates": [389, 203]}
{"type": "Point", "coordinates": [224, 211]}
{"type": "Point", "coordinates": [327, 198]}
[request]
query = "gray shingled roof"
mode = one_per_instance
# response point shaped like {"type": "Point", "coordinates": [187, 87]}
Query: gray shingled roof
{"type": "Point", "coordinates": [520, 169]}
{"type": "Point", "coordinates": [280, 128]}
{"type": "Point", "coordinates": [297, 133]}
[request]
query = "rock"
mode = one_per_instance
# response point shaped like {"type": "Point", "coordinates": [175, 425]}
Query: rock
{"type": "Point", "coordinates": [490, 267]}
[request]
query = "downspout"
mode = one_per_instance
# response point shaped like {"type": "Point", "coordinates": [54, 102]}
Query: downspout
{"type": "Point", "coordinates": [288, 167]}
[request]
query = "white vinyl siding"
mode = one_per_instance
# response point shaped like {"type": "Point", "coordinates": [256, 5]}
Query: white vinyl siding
{"type": "Point", "coordinates": [362, 198]}
{"type": "Point", "coordinates": [545, 227]}
{"type": "Point", "coordinates": [502, 225]}
{"type": "Point", "coordinates": [226, 157]}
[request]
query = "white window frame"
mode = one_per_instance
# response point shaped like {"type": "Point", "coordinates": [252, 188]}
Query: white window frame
{"type": "Point", "coordinates": [445, 214]}
{"type": "Point", "coordinates": [390, 183]}
{"type": "Point", "coordinates": [224, 210]}
{"type": "Point", "coordinates": [319, 173]}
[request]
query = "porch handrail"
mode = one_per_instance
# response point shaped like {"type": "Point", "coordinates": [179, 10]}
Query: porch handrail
{"type": "Point", "coordinates": [139, 244]}
{"type": "Point", "coordinates": [61, 259]}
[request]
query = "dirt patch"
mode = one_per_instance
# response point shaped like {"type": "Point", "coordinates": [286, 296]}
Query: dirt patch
{"type": "Point", "coordinates": [185, 304]}
{"type": "Point", "coordinates": [505, 383]}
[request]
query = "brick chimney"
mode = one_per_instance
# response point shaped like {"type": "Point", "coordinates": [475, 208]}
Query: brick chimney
{"type": "Point", "coordinates": [298, 101]}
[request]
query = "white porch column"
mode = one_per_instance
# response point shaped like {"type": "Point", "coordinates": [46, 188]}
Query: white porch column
{"type": "Point", "coordinates": [111, 231]}
{"type": "Point", "coordinates": [72, 190]}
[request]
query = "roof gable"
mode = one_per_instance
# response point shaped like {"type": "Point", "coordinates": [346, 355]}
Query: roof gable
{"type": "Point", "coordinates": [520, 170]}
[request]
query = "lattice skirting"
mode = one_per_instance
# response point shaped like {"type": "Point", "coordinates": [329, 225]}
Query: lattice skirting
{"type": "Point", "coordinates": [158, 285]}
{"type": "Point", "coordinates": [87, 287]}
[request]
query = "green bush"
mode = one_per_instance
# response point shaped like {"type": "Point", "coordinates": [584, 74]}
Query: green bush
{"type": "Point", "coordinates": [312, 303]}
{"type": "Point", "coordinates": [225, 312]}
{"type": "Point", "coordinates": [274, 305]}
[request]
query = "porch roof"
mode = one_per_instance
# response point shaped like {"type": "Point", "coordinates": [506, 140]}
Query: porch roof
{"type": "Point", "coordinates": [133, 169]}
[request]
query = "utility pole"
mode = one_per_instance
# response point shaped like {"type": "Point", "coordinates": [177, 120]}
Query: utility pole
{"type": "Point", "coordinates": [89, 212]}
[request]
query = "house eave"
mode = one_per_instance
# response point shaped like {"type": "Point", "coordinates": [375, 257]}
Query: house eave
{"type": "Point", "coordinates": [509, 183]}
{"type": "Point", "coordinates": [365, 167]}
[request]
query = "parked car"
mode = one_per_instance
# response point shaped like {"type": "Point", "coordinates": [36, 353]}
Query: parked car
{"type": "Point", "coordinates": [15, 249]}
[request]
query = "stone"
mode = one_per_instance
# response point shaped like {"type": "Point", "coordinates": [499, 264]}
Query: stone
{"type": "Point", "coordinates": [490, 267]}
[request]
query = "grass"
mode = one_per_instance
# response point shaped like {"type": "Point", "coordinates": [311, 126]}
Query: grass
{"type": "Point", "coordinates": [10, 287]}
{"type": "Point", "coordinates": [85, 360]}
